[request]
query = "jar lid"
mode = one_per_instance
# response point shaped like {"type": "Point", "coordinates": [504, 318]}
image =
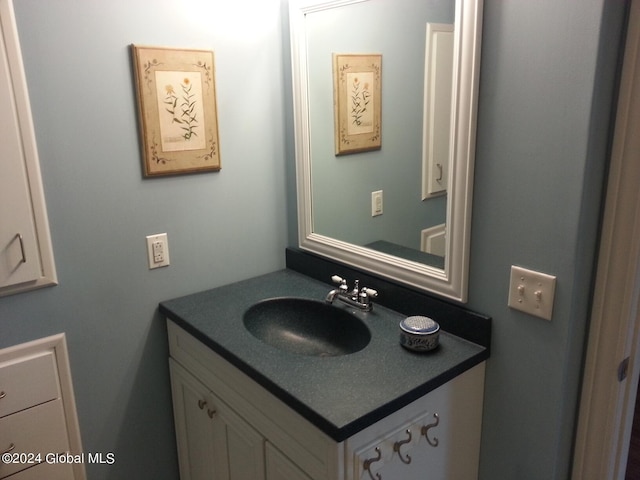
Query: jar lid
{"type": "Point", "coordinates": [419, 325]}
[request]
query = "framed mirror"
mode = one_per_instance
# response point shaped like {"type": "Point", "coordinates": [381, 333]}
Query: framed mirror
{"type": "Point", "coordinates": [365, 184]}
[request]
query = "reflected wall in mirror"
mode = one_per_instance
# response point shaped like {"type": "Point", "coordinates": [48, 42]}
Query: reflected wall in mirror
{"type": "Point", "coordinates": [335, 202]}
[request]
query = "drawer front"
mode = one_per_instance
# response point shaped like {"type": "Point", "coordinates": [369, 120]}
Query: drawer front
{"type": "Point", "coordinates": [26, 382]}
{"type": "Point", "coordinates": [38, 430]}
{"type": "Point", "coordinates": [53, 471]}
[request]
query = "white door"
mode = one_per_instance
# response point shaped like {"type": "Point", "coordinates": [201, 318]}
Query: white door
{"type": "Point", "coordinates": [608, 396]}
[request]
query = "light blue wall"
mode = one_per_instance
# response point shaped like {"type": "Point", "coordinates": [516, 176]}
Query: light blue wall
{"type": "Point", "coordinates": [222, 226]}
{"type": "Point", "coordinates": [547, 75]}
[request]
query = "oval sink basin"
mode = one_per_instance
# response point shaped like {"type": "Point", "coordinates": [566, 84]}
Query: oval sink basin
{"type": "Point", "coordinates": [306, 327]}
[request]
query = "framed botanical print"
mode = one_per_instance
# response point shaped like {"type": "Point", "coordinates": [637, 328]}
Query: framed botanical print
{"type": "Point", "coordinates": [357, 102]}
{"type": "Point", "coordinates": [177, 110]}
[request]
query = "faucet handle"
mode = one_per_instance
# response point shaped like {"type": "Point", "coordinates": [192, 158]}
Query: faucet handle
{"type": "Point", "coordinates": [370, 292]}
{"type": "Point", "coordinates": [365, 296]}
{"type": "Point", "coordinates": [343, 288]}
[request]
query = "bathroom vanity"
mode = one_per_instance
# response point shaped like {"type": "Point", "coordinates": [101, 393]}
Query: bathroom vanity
{"type": "Point", "coordinates": [250, 404]}
{"type": "Point", "coordinates": [245, 409]}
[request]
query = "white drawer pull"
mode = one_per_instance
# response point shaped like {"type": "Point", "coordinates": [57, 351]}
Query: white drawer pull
{"type": "Point", "coordinates": [2, 395]}
{"type": "Point", "coordinates": [11, 448]}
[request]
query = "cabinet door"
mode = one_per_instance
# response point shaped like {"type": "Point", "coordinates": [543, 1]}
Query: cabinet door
{"type": "Point", "coordinates": [280, 467]}
{"type": "Point", "coordinates": [194, 428]}
{"type": "Point", "coordinates": [406, 453]}
{"type": "Point", "coordinates": [214, 443]}
{"type": "Point", "coordinates": [243, 447]}
{"type": "Point", "coordinates": [26, 253]}
{"type": "Point", "coordinates": [443, 427]}
{"type": "Point", "coordinates": [18, 248]}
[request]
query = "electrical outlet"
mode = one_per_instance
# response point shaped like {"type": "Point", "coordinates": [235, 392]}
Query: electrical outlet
{"type": "Point", "coordinates": [376, 203]}
{"type": "Point", "coordinates": [532, 292]}
{"type": "Point", "coordinates": [158, 250]}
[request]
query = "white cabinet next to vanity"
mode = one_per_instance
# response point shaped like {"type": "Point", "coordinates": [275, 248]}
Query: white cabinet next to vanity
{"type": "Point", "coordinates": [26, 257]}
{"type": "Point", "coordinates": [229, 427]}
{"type": "Point", "coordinates": [38, 417]}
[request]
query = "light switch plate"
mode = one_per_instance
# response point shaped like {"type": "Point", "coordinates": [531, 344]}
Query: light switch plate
{"type": "Point", "coordinates": [532, 292]}
{"type": "Point", "coordinates": [158, 250]}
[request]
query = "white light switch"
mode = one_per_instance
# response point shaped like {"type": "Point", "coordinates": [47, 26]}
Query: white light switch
{"type": "Point", "coordinates": [532, 292]}
{"type": "Point", "coordinates": [158, 250]}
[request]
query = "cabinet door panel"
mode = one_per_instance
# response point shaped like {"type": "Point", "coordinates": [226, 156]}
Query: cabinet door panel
{"type": "Point", "coordinates": [432, 443]}
{"type": "Point", "coordinates": [18, 251]}
{"type": "Point", "coordinates": [194, 429]}
{"type": "Point", "coordinates": [280, 467]}
{"type": "Point", "coordinates": [26, 253]}
{"type": "Point", "coordinates": [244, 446]}
{"type": "Point", "coordinates": [214, 443]}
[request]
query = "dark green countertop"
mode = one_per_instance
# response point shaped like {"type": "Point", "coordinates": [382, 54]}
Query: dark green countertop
{"type": "Point", "coordinates": [340, 395]}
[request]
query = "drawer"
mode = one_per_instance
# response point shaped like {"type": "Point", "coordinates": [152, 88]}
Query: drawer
{"type": "Point", "coordinates": [40, 429]}
{"type": "Point", "coordinates": [54, 471]}
{"type": "Point", "coordinates": [27, 381]}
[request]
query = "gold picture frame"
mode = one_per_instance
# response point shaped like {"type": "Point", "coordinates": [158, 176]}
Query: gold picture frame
{"type": "Point", "coordinates": [177, 110]}
{"type": "Point", "coordinates": [357, 92]}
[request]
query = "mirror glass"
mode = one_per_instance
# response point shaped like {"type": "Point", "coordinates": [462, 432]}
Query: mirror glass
{"type": "Point", "coordinates": [399, 206]}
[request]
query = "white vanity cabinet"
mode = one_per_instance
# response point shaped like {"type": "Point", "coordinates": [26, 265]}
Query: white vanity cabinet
{"type": "Point", "coordinates": [229, 427]}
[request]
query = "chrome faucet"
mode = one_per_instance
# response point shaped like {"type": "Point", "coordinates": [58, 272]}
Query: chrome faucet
{"type": "Point", "coordinates": [356, 297]}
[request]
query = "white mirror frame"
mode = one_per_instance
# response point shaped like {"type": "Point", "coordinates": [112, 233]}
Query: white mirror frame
{"type": "Point", "coordinates": [452, 281]}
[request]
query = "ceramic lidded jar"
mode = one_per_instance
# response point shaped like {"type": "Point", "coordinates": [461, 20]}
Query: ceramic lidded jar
{"type": "Point", "coordinates": [419, 333]}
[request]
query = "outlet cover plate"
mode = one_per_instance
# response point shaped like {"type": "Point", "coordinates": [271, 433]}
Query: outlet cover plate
{"type": "Point", "coordinates": [158, 250]}
{"type": "Point", "coordinates": [376, 203]}
{"type": "Point", "coordinates": [532, 292]}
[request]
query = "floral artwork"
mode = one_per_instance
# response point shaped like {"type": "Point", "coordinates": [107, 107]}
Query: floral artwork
{"type": "Point", "coordinates": [177, 109]}
{"type": "Point", "coordinates": [186, 115]}
{"type": "Point", "coordinates": [361, 109]}
{"type": "Point", "coordinates": [181, 110]}
{"type": "Point", "coordinates": [357, 98]}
